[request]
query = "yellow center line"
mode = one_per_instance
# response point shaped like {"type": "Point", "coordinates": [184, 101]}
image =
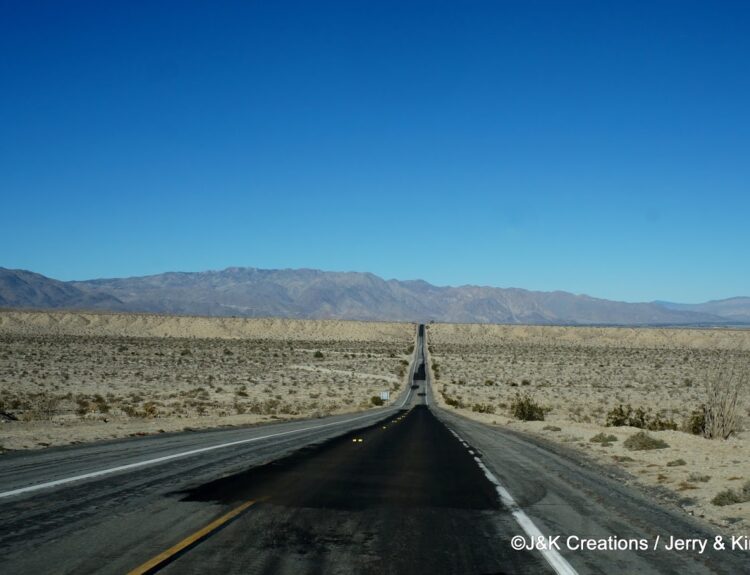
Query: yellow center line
{"type": "Point", "coordinates": [163, 557]}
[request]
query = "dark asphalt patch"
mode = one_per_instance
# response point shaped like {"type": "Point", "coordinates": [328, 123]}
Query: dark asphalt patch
{"type": "Point", "coordinates": [419, 373]}
{"type": "Point", "coordinates": [411, 460]}
{"type": "Point", "coordinates": [409, 498]}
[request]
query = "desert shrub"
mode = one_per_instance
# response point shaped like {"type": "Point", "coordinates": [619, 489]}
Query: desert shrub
{"type": "Point", "coordinates": [318, 355]}
{"type": "Point", "coordinates": [660, 423]}
{"type": "Point", "coordinates": [551, 428]}
{"type": "Point", "coordinates": [732, 496]}
{"type": "Point", "coordinates": [130, 411]}
{"type": "Point", "coordinates": [625, 415]}
{"type": "Point", "coordinates": [696, 422]}
{"type": "Point", "coordinates": [483, 408]}
{"type": "Point", "coordinates": [640, 418]}
{"type": "Point", "coordinates": [101, 404]}
{"type": "Point", "coordinates": [83, 406]}
{"type": "Point", "coordinates": [699, 477]}
{"type": "Point", "coordinates": [642, 441]}
{"type": "Point", "coordinates": [603, 438]}
{"type": "Point", "coordinates": [150, 409]}
{"type": "Point", "coordinates": [376, 400]}
{"type": "Point", "coordinates": [524, 407]}
{"type": "Point", "coordinates": [722, 392]}
{"type": "Point", "coordinates": [42, 407]}
{"type": "Point", "coordinates": [622, 458]}
{"type": "Point", "coordinates": [453, 401]}
{"type": "Point", "coordinates": [676, 463]}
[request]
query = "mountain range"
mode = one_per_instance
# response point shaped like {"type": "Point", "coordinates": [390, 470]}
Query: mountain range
{"type": "Point", "coordinates": [307, 293]}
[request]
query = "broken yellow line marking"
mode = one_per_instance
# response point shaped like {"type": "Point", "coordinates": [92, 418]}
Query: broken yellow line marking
{"type": "Point", "coordinates": [154, 564]}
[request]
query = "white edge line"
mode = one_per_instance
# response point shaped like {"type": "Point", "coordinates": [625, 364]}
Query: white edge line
{"type": "Point", "coordinates": [181, 454]}
{"type": "Point", "coordinates": [552, 556]}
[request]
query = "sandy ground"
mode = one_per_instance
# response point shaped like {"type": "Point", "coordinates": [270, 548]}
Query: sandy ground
{"type": "Point", "coordinates": [75, 377]}
{"type": "Point", "coordinates": [580, 374]}
{"type": "Point", "coordinates": [155, 325]}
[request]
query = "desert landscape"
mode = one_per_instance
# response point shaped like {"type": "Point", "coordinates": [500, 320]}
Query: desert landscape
{"type": "Point", "coordinates": [627, 397]}
{"type": "Point", "coordinates": [594, 389]}
{"type": "Point", "coordinates": [68, 377]}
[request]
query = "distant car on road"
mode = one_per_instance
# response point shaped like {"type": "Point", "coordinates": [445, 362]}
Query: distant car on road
{"type": "Point", "coordinates": [421, 394]}
{"type": "Point", "coordinates": [415, 386]}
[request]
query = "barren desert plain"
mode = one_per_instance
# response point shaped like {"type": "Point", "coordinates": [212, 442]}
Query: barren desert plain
{"type": "Point", "coordinates": [74, 377]}
{"type": "Point", "coordinates": [71, 377]}
{"type": "Point", "coordinates": [580, 375]}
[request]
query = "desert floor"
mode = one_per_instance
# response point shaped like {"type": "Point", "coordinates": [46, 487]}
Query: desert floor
{"type": "Point", "coordinates": [579, 375]}
{"type": "Point", "coordinates": [74, 377]}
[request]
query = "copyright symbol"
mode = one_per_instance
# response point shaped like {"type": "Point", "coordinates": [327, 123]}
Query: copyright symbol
{"type": "Point", "coordinates": [518, 543]}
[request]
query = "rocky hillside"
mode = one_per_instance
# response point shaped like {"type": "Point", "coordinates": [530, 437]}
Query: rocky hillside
{"type": "Point", "coordinates": [314, 294]}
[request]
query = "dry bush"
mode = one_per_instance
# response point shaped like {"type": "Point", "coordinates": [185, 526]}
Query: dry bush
{"type": "Point", "coordinates": [640, 418]}
{"type": "Point", "coordinates": [731, 496]}
{"type": "Point", "coordinates": [603, 438]}
{"type": "Point", "coordinates": [525, 408]}
{"type": "Point", "coordinates": [642, 441]}
{"type": "Point", "coordinates": [43, 407]}
{"type": "Point", "coordinates": [723, 386]}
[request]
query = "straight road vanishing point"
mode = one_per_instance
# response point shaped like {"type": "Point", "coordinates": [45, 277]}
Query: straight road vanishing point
{"type": "Point", "coordinates": [406, 489]}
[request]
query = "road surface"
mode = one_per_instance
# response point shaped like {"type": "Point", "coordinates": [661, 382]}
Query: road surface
{"type": "Point", "coordinates": [410, 488]}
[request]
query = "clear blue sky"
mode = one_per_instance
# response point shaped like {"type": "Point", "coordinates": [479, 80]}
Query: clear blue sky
{"type": "Point", "coordinates": [595, 147]}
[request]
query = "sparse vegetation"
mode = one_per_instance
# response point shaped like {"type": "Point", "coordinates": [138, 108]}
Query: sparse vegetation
{"type": "Point", "coordinates": [722, 409]}
{"type": "Point", "coordinates": [623, 458]}
{"type": "Point", "coordinates": [642, 441]}
{"type": "Point", "coordinates": [695, 423]}
{"type": "Point", "coordinates": [732, 496]}
{"type": "Point", "coordinates": [453, 401]}
{"type": "Point", "coordinates": [483, 408]}
{"type": "Point", "coordinates": [42, 407]}
{"type": "Point", "coordinates": [650, 379]}
{"type": "Point", "coordinates": [524, 407]}
{"type": "Point", "coordinates": [69, 379]}
{"type": "Point", "coordinates": [436, 369]}
{"type": "Point", "coordinates": [603, 438]}
{"type": "Point", "coordinates": [639, 417]}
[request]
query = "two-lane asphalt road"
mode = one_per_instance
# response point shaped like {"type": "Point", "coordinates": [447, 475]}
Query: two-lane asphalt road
{"type": "Point", "coordinates": [407, 489]}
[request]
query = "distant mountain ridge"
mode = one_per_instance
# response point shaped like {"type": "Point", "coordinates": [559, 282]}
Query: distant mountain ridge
{"type": "Point", "coordinates": [733, 308]}
{"type": "Point", "coordinates": [315, 294]}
